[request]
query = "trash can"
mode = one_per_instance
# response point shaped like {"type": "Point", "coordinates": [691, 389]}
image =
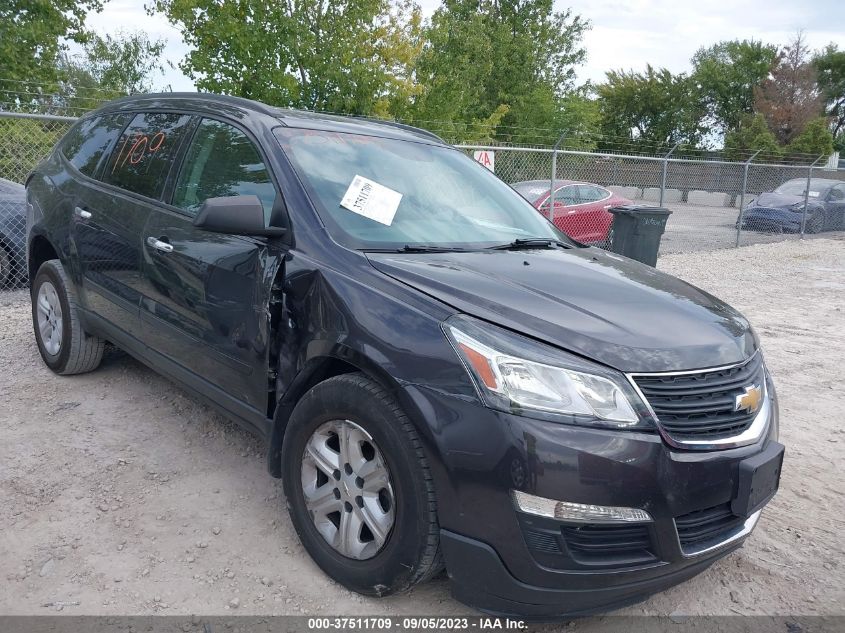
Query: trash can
{"type": "Point", "coordinates": [636, 231]}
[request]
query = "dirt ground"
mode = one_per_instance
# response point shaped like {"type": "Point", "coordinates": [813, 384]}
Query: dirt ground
{"type": "Point", "coordinates": [124, 495]}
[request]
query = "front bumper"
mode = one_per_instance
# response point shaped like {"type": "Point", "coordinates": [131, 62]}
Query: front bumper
{"type": "Point", "coordinates": [507, 562]}
{"type": "Point", "coordinates": [771, 219]}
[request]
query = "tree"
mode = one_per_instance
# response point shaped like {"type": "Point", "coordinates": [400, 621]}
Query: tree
{"type": "Point", "coordinates": [334, 55]}
{"type": "Point", "coordinates": [830, 71]}
{"type": "Point", "coordinates": [727, 74]}
{"type": "Point", "coordinates": [749, 136]}
{"type": "Point", "coordinates": [814, 140]}
{"type": "Point", "coordinates": [33, 36]}
{"type": "Point", "coordinates": [126, 63]}
{"type": "Point", "coordinates": [499, 66]}
{"type": "Point", "coordinates": [652, 110]}
{"type": "Point", "coordinates": [789, 98]}
{"type": "Point", "coordinates": [108, 67]}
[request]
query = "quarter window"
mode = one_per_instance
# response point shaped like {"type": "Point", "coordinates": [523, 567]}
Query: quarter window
{"type": "Point", "coordinates": [222, 161]}
{"type": "Point", "coordinates": [86, 144]}
{"type": "Point", "coordinates": [142, 156]}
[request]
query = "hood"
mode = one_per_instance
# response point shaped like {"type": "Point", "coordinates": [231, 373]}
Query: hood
{"type": "Point", "coordinates": [778, 200]}
{"type": "Point", "coordinates": [602, 306]}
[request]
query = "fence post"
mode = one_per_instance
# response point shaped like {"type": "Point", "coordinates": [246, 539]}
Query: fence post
{"type": "Point", "coordinates": [554, 176]}
{"type": "Point", "coordinates": [663, 175]}
{"type": "Point", "coordinates": [742, 194]}
{"type": "Point", "coordinates": [807, 194]}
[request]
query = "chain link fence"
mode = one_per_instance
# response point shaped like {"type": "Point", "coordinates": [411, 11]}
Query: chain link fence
{"type": "Point", "coordinates": [24, 140]}
{"type": "Point", "coordinates": [705, 196]}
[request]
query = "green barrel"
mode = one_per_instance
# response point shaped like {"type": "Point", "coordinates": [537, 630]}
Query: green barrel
{"type": "Point", "coordinates": [636, 231]}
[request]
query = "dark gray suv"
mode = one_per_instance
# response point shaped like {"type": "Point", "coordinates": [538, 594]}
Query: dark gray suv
{"type": "Point", "coordinates": [442, 377]}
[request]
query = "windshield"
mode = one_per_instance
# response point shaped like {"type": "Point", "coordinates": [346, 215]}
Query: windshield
{"type": "Point", "coordinates": [798, 187]}
{"type": "Point", "coordinates": [377, 193]}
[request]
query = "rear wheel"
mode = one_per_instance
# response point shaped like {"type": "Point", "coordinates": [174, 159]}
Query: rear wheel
{"type": "Point", "coordinates": [64, 346]}
{"type": "Point", "coordinates": [358, 487]}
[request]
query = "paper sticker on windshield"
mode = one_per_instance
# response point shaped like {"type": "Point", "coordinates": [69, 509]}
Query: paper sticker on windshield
{"type": "Point", "coordinates": [372, 200]}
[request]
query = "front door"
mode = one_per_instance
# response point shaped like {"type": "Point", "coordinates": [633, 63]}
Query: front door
{"type": "Point", "coordinates": [204, 306]}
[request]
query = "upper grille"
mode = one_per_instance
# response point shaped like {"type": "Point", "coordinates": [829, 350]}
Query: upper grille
{"type": "Point", "coordinates": [701, 405]}
{"type": "Point", "coordinates": [702, 526]}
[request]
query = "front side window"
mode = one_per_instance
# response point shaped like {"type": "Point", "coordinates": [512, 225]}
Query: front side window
{"type": "Point", "coordinates": [222, 161]}
{"type": "Point", "coordinates": [86, 144]}
{"type": "Point", "coordinates": [409, 193]}
{"type": "Point", "coordinates": [141, 159]}
{"type": "Point", "coordinates": [567, 196]}
{"type": "Point", "coordinates": [591, 193]}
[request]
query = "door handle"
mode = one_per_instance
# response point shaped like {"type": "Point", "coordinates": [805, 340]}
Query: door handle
{"type": "Point", "coordinates": [81, 213]}
{"type": "Point", "coordinates": [157, 244]}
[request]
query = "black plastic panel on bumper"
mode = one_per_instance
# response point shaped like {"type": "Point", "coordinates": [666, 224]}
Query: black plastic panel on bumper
{"type": "Point", "coordinates": [479, 579]}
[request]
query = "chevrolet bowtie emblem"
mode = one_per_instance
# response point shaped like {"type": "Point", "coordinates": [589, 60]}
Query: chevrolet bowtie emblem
{"type": "Point", "coordinates": [750, 400]}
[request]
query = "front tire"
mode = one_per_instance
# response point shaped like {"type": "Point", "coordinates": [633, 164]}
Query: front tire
{"type": "Point", "coordinates": [358, 487]}
{"type": "Point", "coordinates": [64, 346]}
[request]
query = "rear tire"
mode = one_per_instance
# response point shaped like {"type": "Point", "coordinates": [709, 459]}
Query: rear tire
{"type": "Point", "coordinates": [64, 346]}
{"type": "Point", "coordinates": [409, 554]}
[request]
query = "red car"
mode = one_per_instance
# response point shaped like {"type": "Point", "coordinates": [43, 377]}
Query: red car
{"type": "Point", "coordinates": [580, 208]}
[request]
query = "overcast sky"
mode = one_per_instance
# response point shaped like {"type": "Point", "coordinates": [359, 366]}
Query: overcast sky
{"type": "Point", "coordinates": [625, 33]}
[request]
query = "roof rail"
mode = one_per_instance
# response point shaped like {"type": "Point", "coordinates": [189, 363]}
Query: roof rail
{"type": "Point", "coordinates": [400, 126]}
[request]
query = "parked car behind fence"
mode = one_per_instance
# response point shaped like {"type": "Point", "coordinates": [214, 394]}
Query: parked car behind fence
{"type": "Point", "coordinates": [782, 210]}
{"type": "Point", "coordinates": [12, 230]}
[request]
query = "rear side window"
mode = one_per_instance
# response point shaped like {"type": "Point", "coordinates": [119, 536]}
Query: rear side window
{"type": "Point", "coordinates": [142, 157]}
{"type": "Point", "coordinates": [222, 161]}
{"type": "Point", "coordinates": [86, 144]}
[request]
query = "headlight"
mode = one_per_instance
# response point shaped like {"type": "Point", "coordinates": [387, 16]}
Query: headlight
{"type": "Point", "coordinates": [518, 375]}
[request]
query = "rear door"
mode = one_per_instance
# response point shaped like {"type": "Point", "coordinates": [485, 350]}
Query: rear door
{"type": "Point", "coordinates": [110, 216]}
{"type": "Point", "coordinates": [203, 306]}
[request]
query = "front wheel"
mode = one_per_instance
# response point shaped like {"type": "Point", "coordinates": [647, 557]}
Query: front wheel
{"type": "Point", "coordinates": [64, 346]}
{"type": "Point", "coordinates": [358, 487]}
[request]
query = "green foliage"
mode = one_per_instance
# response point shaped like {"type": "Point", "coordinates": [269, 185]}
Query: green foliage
{"type": "Point", "coordinates": [485, 58]}
{"type": "Point", "coordinates": [813, 141]}
{"type": "Point", "coordinates": [33, 35]}
{"type": "Point", "coordinates": [124, 64]}
{"type": "Point", "coordinates": [830, 70]}
{"type": "Point", "coordinates": [337, 55]}
{"type": "Point", "coordinates": [752, 135]}
{"type": "Point", "coordinates": [726, 74]}
{"type": "Point", "coordinates": [109, 67]}
{"type": "Point", "coordinates": [652, 110]}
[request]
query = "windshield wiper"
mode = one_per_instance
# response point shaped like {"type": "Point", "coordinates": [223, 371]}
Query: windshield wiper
{"type": "Point", "coordinates": [418, 248]}
{"type": "Point", "coordinates": [529, 242]}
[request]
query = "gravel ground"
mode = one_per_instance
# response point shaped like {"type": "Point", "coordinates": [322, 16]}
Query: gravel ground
{"type": "Point", "coordinates": [122, 494]}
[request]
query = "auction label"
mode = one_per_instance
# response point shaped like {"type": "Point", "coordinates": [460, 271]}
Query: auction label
{"type": "Point", "coordinates": [372, 200]}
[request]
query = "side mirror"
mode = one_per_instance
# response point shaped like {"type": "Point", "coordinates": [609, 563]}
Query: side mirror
{"type": "Point", "coordinates": [235, 215]}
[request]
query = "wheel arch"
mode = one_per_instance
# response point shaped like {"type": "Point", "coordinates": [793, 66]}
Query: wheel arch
{"type": "Point", "coordinates": [40, 250]}
{"type": "Point", "coordinates": [335, 361]}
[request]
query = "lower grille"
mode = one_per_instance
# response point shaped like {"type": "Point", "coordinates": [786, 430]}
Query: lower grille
{"type": "Point", "coordinates": [703, 526]}
{"type": "Point", "coordinates": [609, 544]}
{"type": "Point", "coordinates": [701, 405]}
